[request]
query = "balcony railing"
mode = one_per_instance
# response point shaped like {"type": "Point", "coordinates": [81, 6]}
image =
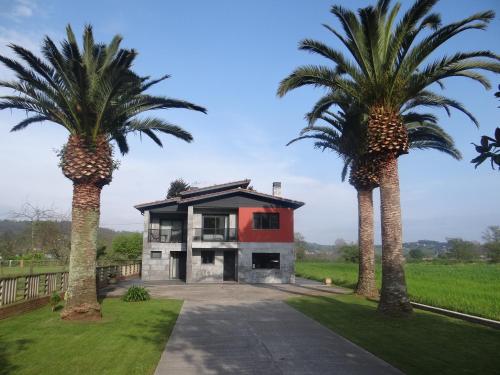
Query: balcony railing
{"type": "Point", "coordinates": [215, 234]}
{"type": "Point", "coordinates": [167, 235]}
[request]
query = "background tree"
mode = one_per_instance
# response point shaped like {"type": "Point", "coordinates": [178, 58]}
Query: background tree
{"type": "Point", "coordinates": [300, 246]}
{"type": "Point", "coordinates": [492, 243]}
{"type": "Point", "coordinates": [390, 74]}
{"type": "Point", "coordinates": [34, 214]}
{"type": "Point", "coordinates": [416, 254]}
{"type": "Point", "coordinates": [462, 251]}
{"type": "Point", "coordinates": [93, 93]}
{"type": "Point", "coordinates": [128, 246]}
{"type": "Point", "coordinates": [492, 234]}
{"type": "Point", "coordinates": [176, 187]}
{"type": "Point", "coordinates": [349, 253]}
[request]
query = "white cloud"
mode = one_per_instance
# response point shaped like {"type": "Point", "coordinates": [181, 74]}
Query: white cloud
{"type": "Point", "coordinates": [21, 9]}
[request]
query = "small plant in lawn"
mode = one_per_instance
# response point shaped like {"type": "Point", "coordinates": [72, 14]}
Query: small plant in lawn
{"type": "Point", "coordinates": [136, 294]}
{"type": "Point", "coordinates": [55, 299]}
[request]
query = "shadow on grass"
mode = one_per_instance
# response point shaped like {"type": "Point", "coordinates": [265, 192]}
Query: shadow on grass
{"type": "Point", "coordinates": [422, 343]}
{"type": "Point", "coordinates": [6, 366]}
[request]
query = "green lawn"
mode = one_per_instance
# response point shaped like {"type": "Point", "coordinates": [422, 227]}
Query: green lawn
{"type": "Point", "coordinates": [426, 343]}
{"type": "Point", "coordinates": [469, 288]}
{"type": "Point", "coordinates": [129, 340]}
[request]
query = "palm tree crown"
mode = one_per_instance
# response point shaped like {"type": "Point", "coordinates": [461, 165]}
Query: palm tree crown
{"type": "Point", "coordinates": [91, 92]}
{"type": "Point", "coordinates": [388, 67]}
{"type": "Point", "coordinates": [345, 134]}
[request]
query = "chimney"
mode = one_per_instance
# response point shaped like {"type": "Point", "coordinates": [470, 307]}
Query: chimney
{"type": "Point", "coordinates": [277, 189]}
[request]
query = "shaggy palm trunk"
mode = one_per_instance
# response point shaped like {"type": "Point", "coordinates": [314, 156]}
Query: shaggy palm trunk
{"type": "Point", "coordinates": [81, 296]}
{"type": "Point", "coordinates": [393, 298]}
{"type": "Point", "coordinates": [89, 165]}
{"type": "Point", "coordinates": [366, 277]}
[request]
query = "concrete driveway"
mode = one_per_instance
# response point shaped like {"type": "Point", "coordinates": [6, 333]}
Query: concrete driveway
{"type": "Point", "coordinates": [248, 329]}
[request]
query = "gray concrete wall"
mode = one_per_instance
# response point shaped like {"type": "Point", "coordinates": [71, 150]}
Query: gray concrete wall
{"type": "Point", "coordinates": [156, 269]}
{"type": "Point", "coordinates": [286, 273]}
{"type": "Point", "coordinates": [208, 273]}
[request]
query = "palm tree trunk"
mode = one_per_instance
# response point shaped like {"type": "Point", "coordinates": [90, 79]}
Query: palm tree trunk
{"type": "Point", "coordinates": [81, 296]}
{"type": "Point", "coordinates": [366, 277]}
{"type": "Point", "coordinates": [394, 298]}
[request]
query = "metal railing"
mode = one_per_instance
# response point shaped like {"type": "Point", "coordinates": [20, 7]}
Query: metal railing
{"type": "Point", "coordinates": [215, 234]}
{"type": "Point", "coordinates": [166, 235]}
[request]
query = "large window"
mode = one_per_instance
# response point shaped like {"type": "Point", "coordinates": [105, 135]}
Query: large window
{"type": "Point", "coordinates": [215, 227]}
{"type": "Point", "coordinates": [266, 221]}
{"type": "Point", "coordinates": [266, 261]}
{"type": "Point", "coordinates": [207, 257]}
{"type": "Point", "coordinates": [170, 231]}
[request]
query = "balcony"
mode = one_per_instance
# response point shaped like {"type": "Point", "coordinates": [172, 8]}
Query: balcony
{"type": "Point", "coordinates": [167, 235]}
{"type": "Point", "coordinates": [215, 234]}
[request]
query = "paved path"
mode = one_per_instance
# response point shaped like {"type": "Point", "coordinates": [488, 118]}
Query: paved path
{"type": "Point", "coordinates": [248, 329]}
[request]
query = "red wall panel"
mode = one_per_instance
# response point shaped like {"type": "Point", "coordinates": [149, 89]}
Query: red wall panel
{"type": "Point", "coordinates": [246, 233]}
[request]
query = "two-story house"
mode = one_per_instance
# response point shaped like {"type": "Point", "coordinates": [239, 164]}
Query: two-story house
{"type": "Point", "coordinates": [220, 233]}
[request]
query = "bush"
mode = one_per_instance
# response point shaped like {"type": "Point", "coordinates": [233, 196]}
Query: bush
{"type": "Point", "coordinates": [136, 294]}
{"type": "Point", "coordinates": [55, 299]}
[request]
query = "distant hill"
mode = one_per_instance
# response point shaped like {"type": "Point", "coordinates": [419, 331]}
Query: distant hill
{"type": "Point", "coordinates": [318, 248]}
{"type": "Point", "coordinates": [20, 232]}
{"type": "Point", "coordinates": [429, 247]}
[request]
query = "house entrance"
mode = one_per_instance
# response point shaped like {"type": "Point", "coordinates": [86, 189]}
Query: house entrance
{"type": "Point", "coordinates": [229, 273]}
{"type": "Point", "coordinates": [178, 265]}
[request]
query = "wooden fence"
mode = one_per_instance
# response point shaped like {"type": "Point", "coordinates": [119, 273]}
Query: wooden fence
{"type": "Point", "coordinates": [26, 288]}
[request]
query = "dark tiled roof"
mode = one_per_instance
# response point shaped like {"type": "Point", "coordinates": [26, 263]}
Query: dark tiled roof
{"type": "Point", "coordinates": [219, 191]}
{"type": "Point", "coordinates": [227, 185]}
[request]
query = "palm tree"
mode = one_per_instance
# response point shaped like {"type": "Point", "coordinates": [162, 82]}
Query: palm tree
{"type": "Point", "coordinates": [388, 73]}
{"type": "Point", "coordinates": [94, 94]}
{"type": "Point", "coordinates": [177, 186]}
{"type": "Point", "coordinates": [347, 137]}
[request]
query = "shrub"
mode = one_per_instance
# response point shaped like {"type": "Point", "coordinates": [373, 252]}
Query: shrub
{"type": "Point", "coordinates": [136, 294]}
{"type": "Point", "coordinates": [55, 299]}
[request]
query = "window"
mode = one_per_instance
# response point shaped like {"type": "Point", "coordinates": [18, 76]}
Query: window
{"type": "Point", "coordinates": [266, 221]}
{"type": "Point", "coordinates": [215, 227]}
{"type": "Point", "coordinates": [170, 231]}
{"type": "Point", "coordinates": [207, 257]}
{"type": "Point", "coordinates": [266, 261]}
{"type": "Point", "coordinates": [156, 255]}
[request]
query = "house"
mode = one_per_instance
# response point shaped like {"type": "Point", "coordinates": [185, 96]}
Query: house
{"type": "Point", "coordinates": [220, 233]}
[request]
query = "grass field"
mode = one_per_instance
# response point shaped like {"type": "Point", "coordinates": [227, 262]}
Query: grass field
{"type": "Point", "coordinates": [426, 343]}
{"type": "Point", "coordinates": [469, 288]}
{"type": "Point", "coordinates": [129, 340]}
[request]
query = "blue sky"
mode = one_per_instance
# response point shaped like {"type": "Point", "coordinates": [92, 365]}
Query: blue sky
{"type": "Point", "coordinates": [229, 56]}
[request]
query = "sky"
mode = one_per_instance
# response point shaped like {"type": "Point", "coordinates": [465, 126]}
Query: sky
{"type": "Point", "coordinates": [229, 56]}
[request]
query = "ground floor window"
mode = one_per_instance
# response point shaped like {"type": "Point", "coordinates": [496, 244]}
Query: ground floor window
{"type": "Point", "coordinates": [266, 261]}
{"type": "Point", "coordinates": [156, 255]}
{"type": "Point", "coordinates": [207, 257]}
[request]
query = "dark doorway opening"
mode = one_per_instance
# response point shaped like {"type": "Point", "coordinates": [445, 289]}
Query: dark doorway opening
{"type": "Point", "coordinates": [178, 265]}
{"type": "Point", "coordinates": [229, 265]}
